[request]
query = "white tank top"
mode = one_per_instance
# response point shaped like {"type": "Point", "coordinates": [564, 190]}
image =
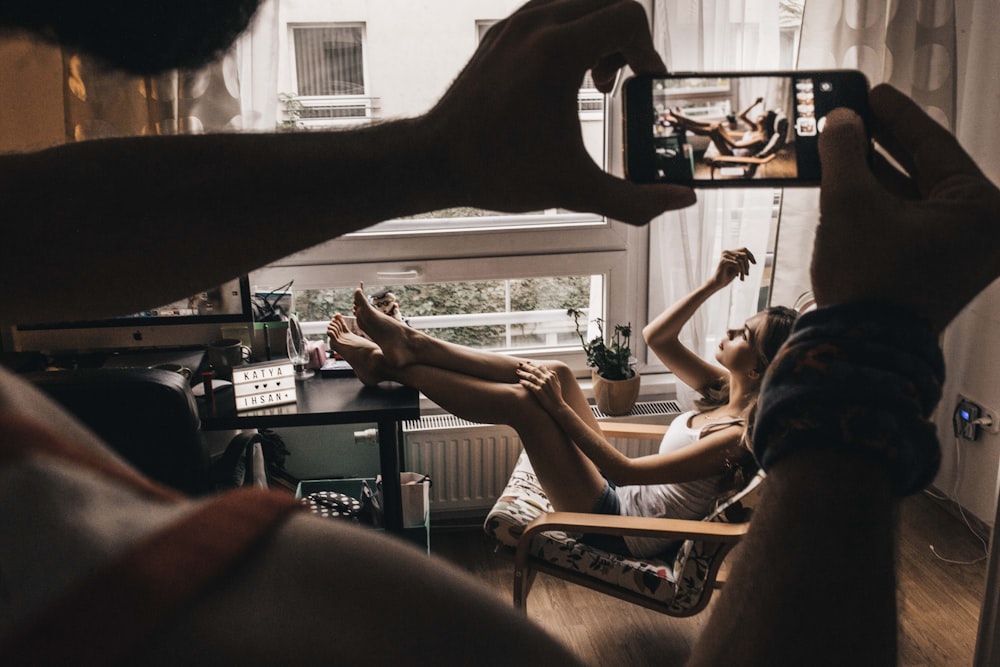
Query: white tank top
{"type": "Point", "coordinates": [685, 500]}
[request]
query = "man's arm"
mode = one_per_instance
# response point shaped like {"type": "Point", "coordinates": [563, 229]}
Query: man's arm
{"type": "Point", "coordinates": [815, 581]}
{"type": "Point", "coordinates": [505, 137]}
{"type": "Point", "coordinates": [141, 221]}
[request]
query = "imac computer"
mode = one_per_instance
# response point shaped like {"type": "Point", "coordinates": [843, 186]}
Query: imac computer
{"type": "Point", "coordinates": [185, 324]}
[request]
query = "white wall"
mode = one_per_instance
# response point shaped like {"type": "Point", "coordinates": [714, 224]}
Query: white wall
{"type": "Point", "coordinates": [972, 344]}
{"type": "Point", "coordinates": [413, 49]}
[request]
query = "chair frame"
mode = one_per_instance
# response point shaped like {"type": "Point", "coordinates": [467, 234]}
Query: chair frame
{"type": "Point", "coordinates": [724, 535]}
{"type": "Point", "coordinates": [749, 163]}
{"type": "Point", "coordinates": [760, 157]}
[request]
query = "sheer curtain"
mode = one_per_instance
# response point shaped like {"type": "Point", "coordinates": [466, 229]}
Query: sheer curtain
{"type": "Point", "coordinates": [911, 45]}
{"type": "Point", "coordinates": [237, 92]}
{"type": "Point", "coordinates": [706, 35]}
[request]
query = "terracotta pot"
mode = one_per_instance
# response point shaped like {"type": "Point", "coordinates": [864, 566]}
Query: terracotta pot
{"type": "Point", "coordinates": [615, 397]}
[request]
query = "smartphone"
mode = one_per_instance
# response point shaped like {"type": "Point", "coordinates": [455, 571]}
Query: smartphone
{"type": "Point", "coordinates": [733, 129]}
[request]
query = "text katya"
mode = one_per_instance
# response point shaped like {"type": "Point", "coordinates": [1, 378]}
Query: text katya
{"type": "Point", "coordinates": [257, 374]}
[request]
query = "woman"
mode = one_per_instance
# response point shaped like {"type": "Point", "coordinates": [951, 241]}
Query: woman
{"type": "Point", "coordinates": [729, 142]}
{"type": "Point", "coordinates": [579, 470]}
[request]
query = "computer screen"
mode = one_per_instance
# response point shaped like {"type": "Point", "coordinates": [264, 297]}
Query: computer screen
{"type": "Point", "coordinates": [194, 321]}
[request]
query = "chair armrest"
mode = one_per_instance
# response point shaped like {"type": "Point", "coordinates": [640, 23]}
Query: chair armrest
{"type": "Point", "coordinates": [613, 429]}
{"type": "Point", "coordinates": [740, 159]}
{"type": "Point", "coordinates": [683, 529]}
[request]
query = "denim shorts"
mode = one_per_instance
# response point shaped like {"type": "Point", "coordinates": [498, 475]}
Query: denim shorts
{"type": "Point", "coordinates": [607, 503]}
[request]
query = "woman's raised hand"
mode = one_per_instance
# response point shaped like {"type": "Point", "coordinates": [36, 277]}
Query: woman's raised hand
{"type": "Point", "coordinates": [733, 263]}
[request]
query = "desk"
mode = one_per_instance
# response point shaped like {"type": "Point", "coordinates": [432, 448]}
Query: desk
{"type": "Point", "coordinates": [337, 400]}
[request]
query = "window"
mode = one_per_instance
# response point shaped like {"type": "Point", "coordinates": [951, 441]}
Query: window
{"type": "Point", "coordinates": [498, 303]}
{"type": "Point", "coordinates": [504, 315]}
{"type": "Point", "coordinates": [328, 60]}
{"type": "Point", "coordinates": [329, 65]}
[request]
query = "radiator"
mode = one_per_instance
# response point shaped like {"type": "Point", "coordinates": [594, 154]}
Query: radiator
{"type": "Point", "coordinates": [470, 463]}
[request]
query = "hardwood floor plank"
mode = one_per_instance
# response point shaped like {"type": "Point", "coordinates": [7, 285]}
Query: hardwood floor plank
{"type": "Point", "coordinates": [939, 602]}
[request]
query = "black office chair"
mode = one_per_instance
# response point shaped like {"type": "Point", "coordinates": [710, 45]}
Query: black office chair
{"type": "Point", "coordinates": [147, 415]}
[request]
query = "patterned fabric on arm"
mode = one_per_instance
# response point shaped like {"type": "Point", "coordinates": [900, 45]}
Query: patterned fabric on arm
{"type": "Point", "coordinates": [859, 377]}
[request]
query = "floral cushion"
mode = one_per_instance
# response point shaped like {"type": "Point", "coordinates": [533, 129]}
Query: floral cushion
{"type": "Point", "coordinates": [678, 580]}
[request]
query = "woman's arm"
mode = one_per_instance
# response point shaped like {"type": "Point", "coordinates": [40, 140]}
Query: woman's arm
{"type": "Point", "coordinates": [705, 458]}
{"type": "Point", "coordinates": [745, 114]}
{"type": "Point", "coordinates": [662, 334]}
{"type": "Point", "coordinates": [757, 139]}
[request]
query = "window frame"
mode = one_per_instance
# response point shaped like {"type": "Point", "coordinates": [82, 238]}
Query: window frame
{"type": "Point", "coordinates": [623, 288]}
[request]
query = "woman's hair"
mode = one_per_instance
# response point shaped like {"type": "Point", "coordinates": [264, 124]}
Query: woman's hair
{"type": "Point", "coordinates": [771, 334]}
{"type": "Point", "coordinates": [768, 126]}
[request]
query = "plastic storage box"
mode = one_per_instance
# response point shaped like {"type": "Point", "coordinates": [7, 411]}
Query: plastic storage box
{"type": "Point", "coordinates": [414, 530]}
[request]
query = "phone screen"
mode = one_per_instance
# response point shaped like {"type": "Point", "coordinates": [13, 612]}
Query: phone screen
{"type": "Point", "coordinates": [734, 129]}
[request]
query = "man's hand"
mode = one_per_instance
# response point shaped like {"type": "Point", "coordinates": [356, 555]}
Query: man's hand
{"type": "Point", "coordinates": [509, 126]}
{"type": "Point", "coordinates": [925, 241]}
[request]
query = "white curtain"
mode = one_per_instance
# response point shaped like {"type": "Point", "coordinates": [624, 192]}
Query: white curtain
{"type": "Point", "coordinates": [911, 45]}
{"type": "Point", "coordinates": [255, 61]}
{"type": "Point", "coordinates": [237, 92]}
{"type": "Point", "coordinates": [707, 35]}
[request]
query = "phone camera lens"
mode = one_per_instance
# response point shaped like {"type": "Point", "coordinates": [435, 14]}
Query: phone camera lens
{"type": "Point", "coordinates": [826, 86]}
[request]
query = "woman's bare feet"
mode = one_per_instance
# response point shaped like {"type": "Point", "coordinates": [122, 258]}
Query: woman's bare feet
{"type": "Point", "coordinates": [364, 356]}
{"type": "Point", "coordinates": [394, 338]}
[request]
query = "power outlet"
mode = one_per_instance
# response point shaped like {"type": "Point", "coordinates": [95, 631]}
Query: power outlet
{"type": "Point", "coordinates": [993, 417]}
{"type": "Point", "coordinates": [985, 417]}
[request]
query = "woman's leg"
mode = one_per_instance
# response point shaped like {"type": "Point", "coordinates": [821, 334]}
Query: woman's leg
{"type": "Point", "coordinates": [571, 481]}
{"type": "Point", "coordinates": [721, 140]}
{"type": "Point", "coordinates": [688, 123]}
{"type": "Point", "coordinates": [403, 345]}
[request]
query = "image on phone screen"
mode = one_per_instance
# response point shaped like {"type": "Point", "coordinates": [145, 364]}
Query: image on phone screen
{"type": "Point", "coordinates": [714, 129]}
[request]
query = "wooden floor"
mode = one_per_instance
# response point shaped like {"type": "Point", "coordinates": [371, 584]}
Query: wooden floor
{"type": "Point", "coordinates": [938, 601]}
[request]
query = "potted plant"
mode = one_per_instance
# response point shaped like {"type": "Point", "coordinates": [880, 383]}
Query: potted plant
{"type": "Point", "coordinates": [615, 380]}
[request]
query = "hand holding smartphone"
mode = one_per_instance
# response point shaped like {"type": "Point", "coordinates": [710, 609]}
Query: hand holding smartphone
{"type": "Point", "coordinates": [730, 129]}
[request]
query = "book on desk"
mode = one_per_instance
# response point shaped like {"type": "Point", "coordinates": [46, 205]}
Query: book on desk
{"type": "Point", "coordinates": [334, 367]}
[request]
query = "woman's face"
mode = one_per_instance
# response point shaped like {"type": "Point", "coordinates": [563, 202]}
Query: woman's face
{"type": "Point", "coordinates": [737, 351]}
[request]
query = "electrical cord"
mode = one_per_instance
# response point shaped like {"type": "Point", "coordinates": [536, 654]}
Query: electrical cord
{"type": "Point", "coordinates": [265, 310]}
{"type": "Point", "coordinates": [961, 512]}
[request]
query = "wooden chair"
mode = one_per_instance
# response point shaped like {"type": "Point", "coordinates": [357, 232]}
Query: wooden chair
{"type": "Point", "coordinates": [751, 163]}
{"type": "Point", "coordinates": [539, 539]}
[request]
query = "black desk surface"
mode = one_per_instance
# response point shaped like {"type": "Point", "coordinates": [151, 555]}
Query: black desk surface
{"type": "Point", "coordinates": [319, 400]}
